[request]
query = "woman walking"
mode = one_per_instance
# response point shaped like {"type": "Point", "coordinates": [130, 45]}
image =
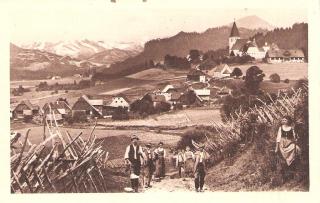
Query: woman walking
{"type": "Point", "coordinates": [287, 143]}
{"type": "Point", "coordinates": [160, 154]}
{"type": "Point", "coordinates": [189, 162]}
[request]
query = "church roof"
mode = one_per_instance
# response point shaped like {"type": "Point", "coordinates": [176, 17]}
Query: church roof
{"type": "Point", "coordinates": [239, 44]}
{"type": "Point", "coordinates": [234, 31]}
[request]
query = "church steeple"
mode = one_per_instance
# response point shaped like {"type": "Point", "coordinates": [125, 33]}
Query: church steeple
{"type": "Point", "coordinates": [234, 30]}
{"type": "Point", "coordinates": [234, 36]}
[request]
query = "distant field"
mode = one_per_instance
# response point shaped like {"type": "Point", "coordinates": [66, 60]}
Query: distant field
{"type": "Point", "coordinates": [186, 117]}
{"type": "Point", "coordinates": [292, 71]}
{"type": "Point", "coordinates": [157, 74]}
{"type": "Point", "coordinates": [33, 83]}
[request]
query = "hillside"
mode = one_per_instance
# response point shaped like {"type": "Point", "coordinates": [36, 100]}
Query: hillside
{"type": "Point", "coordinates": [114, 55]}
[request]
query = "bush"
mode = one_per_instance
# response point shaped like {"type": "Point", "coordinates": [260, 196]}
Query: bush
{"type": "Point", "coordinates": [275, 78]}
{"type": "Point", "coordinates": [254, 76]}
{"type": "Point", "coordinates": [236, 72]}
{"type": "Point", "coordinates": [286, 81]}
{"type": "Point", "coordinates": [196, 135]}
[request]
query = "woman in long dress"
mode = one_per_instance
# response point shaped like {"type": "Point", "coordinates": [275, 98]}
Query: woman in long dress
{"type": "Point", "coordinates": [189, 162]}
{"type": "Point", "coordinates": [287, 142]}
{"type": "Point", "coordinates": [160, 154]}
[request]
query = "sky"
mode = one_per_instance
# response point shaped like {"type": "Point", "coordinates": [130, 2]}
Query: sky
{"type": "Point", "coordinates": [135, 21]}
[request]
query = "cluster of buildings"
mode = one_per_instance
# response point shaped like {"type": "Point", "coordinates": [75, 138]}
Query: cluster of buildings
{"type": "Point", "coordinates": [272, 53]}
{"type": "Point", "coordinates": [104, 107]}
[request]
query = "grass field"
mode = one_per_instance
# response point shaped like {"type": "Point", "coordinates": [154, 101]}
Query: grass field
{"type": "Point", "coordinates": [291, 71]}
{"type": "Point", "coordinates": [33, 83]}
{"type": "Point", "coordinates": [188, 117]}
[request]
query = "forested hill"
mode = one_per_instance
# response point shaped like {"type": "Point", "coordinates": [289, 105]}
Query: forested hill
{"type": "Point", "coordinates": [212, 39]}
{"type": "Point", "coordinates": [295, 37]}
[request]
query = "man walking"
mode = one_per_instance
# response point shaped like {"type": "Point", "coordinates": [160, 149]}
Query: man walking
{"type": "Point", "coordinates": [134, 156]}
{"type": "Point", "coordinates": [199, 169]}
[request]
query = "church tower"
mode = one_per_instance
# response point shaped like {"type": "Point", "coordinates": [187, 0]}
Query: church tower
{"type": "Point", "coordinates": [234, 36]}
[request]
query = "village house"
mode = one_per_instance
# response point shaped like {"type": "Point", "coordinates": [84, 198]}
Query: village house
{"type": "Point", "coordinates": [240, 47]}
{"type": "Point", "coordinates": [277, 55]}
{"type": "Point", "coordinates": [60, 108]}
{"type": "Point", "coordinates": [89, 107]}
{"type": "Point", "coordinates": [220, 71]}
{"type": "Point", "coordinates": [204, 94]}
{"type": "Point", "coordinates": [196, 75]}
{"type": "Point", "coordinates": [157, 99]}
{"type": "Point", "coordinates": [119, 100]}
{"type": "Point", "coordinates": [25, 109]}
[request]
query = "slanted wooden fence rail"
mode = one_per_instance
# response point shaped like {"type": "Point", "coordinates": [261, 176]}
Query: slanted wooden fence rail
{"type": "Point", "coordinates": [58, 164]}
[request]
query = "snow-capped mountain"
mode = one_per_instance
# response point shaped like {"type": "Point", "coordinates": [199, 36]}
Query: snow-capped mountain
{"type": "Point", "coordinates": [81, 49]}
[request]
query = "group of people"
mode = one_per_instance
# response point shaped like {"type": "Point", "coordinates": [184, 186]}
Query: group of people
{"type": "Point", "coordinates": [145, 162]}
{"type": "Point", "coordinates": [152, 162]}
{"type": "Point", "coordinates": [148, 163]}
{"type": "Point", "coordinates": [193, 165]}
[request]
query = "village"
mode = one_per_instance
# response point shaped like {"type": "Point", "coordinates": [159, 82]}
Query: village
{"type": "Point", "coordinates": [187, 105]}
{"type": "Point", "coordinates": [204, 85]}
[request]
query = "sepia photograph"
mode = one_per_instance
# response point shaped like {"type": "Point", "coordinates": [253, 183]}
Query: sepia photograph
{"type": "Point", "coordinates": [140, 97]}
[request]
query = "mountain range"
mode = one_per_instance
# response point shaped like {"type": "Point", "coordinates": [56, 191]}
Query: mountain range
{"type": "Point", "coordinates": [85, 49]}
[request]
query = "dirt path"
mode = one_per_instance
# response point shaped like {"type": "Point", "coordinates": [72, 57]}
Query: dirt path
{"type": "Point", "coordinates": [172, 185]}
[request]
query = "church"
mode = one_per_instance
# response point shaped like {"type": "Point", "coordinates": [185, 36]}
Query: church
{"type": "Point", "coordinates": [240, 47]}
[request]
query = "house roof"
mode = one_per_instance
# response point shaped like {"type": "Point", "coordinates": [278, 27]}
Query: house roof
{"type": "Point", "coordinates": [239, 44]}
{"type": "Point", "coordinates": [124, 97]}
{"type": "Point", "coordinates": [234, 31]}
{"type": "Point", "coordinates": [158, 98]}
{"type": "Point", "coordinates": [85, 98]}
{"type": "Point", "coordinates": [220, 67]}
{"type": "Point", "coordinates": [28, 104]}
{"type": "Point", "coordinates": [176, 96]}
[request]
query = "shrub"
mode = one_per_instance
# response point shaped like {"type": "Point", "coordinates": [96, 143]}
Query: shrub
{"type": "Point", "coordinates": [254, 76]}
{"type": "Point", "coordinates": [236, 72]}
{"type": "Point", "coordinates": [196, 135]}
{"type": "Point", "coordinates": [286, 81]}
{"type": "Point", "coordinates": [275, 78]}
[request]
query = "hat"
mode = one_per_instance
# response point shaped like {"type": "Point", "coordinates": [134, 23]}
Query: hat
{"type": "Point", "coordinates": [148, 145]}
{"type": "Point", "coordinates": [134, 137]}
{"type": "Point", "coordinates": [160, 143]}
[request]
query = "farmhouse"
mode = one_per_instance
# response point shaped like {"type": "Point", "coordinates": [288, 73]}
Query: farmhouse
{"type": "Point", "coordinates": [196, 75]}
{"type": "Point", "coordinates": [157, 99]}
{"type": "Point", "coordinates": [279, 56]}
{"type": "Point", "coordinates": [119, 100]}
{"type": "Point", "coordinates": [240, 47]}
{"type": "Point", "coordinates": [220, 71]}
{"type": "Point", "coordinates": [25, 109]}
{"type": "Point", "coordinates": [60, 108]}
{"type": "Point", "coordinates": [89, 107]}
{"type": "Point", "coordinates": [204, 93]}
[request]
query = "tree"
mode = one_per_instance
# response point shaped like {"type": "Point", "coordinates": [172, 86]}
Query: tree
{"type": "Point", "coordinates": [254, 76]}
{"type": "Point", "coordinates": [237, 72]}
{"type": "Point", "coordinates": [194, 55]}
{"type": "Point", "coordinates": [274, 78]}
